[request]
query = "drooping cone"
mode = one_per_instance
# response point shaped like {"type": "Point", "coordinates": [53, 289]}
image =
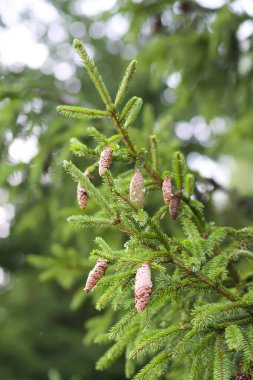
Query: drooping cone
{"type": "Point", "coordinates": [243, 376]}
{"type": "Point", "coordinates": [167, 190]}
{"type": "Point", "coordinates": [82, 195]}
{"type": "Point", "coordinates": [137, 189]}
{"type": "Point", "coordinates": [105, 160]}
{"type": "Point", "coordinates": [95, 274]}
{"type": "Point", "coordinates": [174, 206]}
{"type": "Point", "coordinates": [143, 287]}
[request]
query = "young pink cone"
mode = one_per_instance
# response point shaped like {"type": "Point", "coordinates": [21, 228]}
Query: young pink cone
{"type": "Point", "coordinates": [82, 195]}
{"type": "Point", "coordinates": [174, 206]}
{"type": "Point", "coordinates": [105, 160]}
{"type": "Point", "coordinates": [137, 189]}
{"type": "Point", "coordinates": [143, 287]}
{"type": "Point", "coordinates": [95, 274]}
{"type": "Point", "coordinates": [167, 190]}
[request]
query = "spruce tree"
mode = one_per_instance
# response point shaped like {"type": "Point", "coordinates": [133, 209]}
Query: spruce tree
{"type": "Point", "coordinates": [181, 307]}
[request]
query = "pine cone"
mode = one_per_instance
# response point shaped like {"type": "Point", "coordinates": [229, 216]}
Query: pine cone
{"type": "Point", "coordinates": [174, 206]}
{"type": "Point", "coordinates": [243, 376]}
{"type": "Point", "coordinates": [82, 195]}
{"type": "Point", "coordinates": [137, 189]}
{"type": "Point", "coordinates": [143, 287]}
{"type": "Point", "coordinates": [167, 190]}
{"type": "Point", "coordinates": [105, 160]}
{"type": "Point", "coordinates": [95, 274]}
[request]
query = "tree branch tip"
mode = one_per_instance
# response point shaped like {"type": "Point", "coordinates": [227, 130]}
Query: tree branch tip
{"type": "Point", "coordinates": [77, 44]}
{"type": "Point", "coordinates": [60, 108]}
{"type": "Point", "coordinates": [66, 164]}
{"type": "Point", "coordinates": [134, 62]}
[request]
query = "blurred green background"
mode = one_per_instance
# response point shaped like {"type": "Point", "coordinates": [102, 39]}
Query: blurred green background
{"type": "Point", "coordinates": [195, 66]}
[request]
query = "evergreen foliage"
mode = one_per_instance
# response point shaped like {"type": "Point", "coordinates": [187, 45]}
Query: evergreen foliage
{"type": "Point", "coordinates": [199, 318]}
{"type": "Point", "coordinates": [205, 51]}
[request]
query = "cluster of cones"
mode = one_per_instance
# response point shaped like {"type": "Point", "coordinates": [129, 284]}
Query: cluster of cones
{"type": "Point", "coordinates": [104, 163]}
{"type": "Point", "coordinates": [137, 188]}
{"type": "Point", "coordinates": [143, 282]}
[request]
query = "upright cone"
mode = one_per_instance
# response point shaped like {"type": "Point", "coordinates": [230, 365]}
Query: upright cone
{"type": "Point", "coordinates": [82, 195]}
{"type": "Point", "coordinates": [95, 274]}
{"type": "Point", "coordinates": [105, 160]}
{"type": "Point", "coordinates": [167, 190]}
{"type": "Point", "coordinates": [137, 189]}
{"type": "Point", "coordinates": [143, 287]}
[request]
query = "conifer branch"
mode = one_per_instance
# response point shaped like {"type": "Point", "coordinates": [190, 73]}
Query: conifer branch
{"type": "Point", "coordinates": [119, 328]}
{"type": "Point", "coordinates": [106, 296]}
{"type": "Point", "coordinates": [189, 184]}
{"type": "Point", "coordinates": [133, 113]}
{"type": "Point", "coordinates": [115, 351]}
{"type": "Point", "coordinates": [103, 255]}
{"type": "Point", "coordinates": [89, 221]}
{"type": "Point", "coordinates": [178, 164]}
{"type": "Point", "coordinates": [196, 354]}
{"type": "Point", "coordinates": [86, 184]}
{"type": "Point", "coordinates": [197, 264]}
{"type": "Point", "coordinates": [98, 136]}
{"type": "Point", "coordinates": [159, 214]}
{"type": "Point", "coordinates": [130, 105]}
{"type": "Point", "coordinates": [93, 72]}
{"type": "Point", "coordinates": [81, 150]}
{"type": "Point", "coordinates": [116, 278]}
{"type": "Point", "coordinates": [221, 368]}
{"type": "Point", "coordinates": [123, 87]}
{"type": "Point", "coordinates": [76, 112]}
{"type": "Point", "coordinates": [195, 213]}
{"type": "Point", "coordinates": [156, 364]}
{"type": "Point", "coordinates": [218, 288]}
{"type": "Point", "coordinates": [154, 340]}
{"type": "Point", "coordinates": [172, 259]}
{"type": "Point", "coordinates": [133, 150]}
